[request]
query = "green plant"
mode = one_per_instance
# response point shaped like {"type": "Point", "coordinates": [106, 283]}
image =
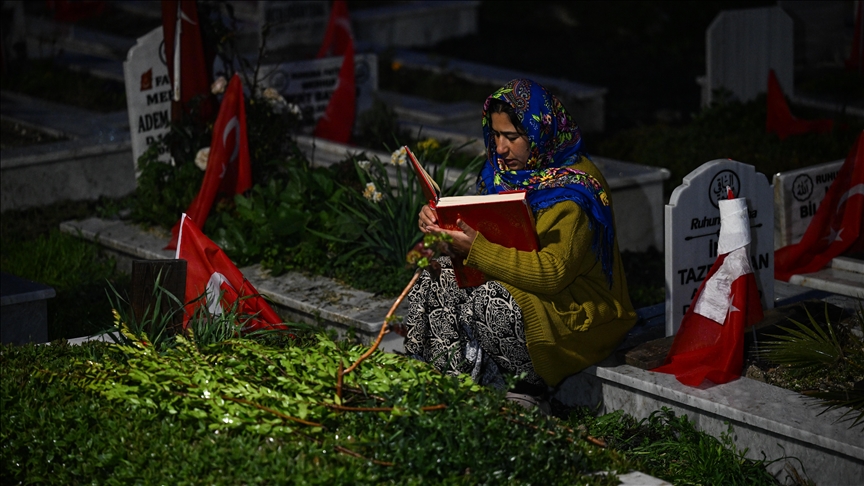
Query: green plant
{"type": "Point", "coordinates": [385, 213]}
{"type": "Point", "coordinates": [669, 447]}
{"type": "Point", "coordinates": [831, 360]}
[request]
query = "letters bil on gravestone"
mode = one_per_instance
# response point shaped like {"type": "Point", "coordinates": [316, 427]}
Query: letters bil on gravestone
{"type": "Point", "coordinates": [692, 227]}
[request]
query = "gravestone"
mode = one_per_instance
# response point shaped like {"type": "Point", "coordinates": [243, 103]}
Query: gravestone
{"type": "Point", "coordinates": [310, 84]}
{"type": "Point", "coordinates": [148, 94]}
{"type": "Point", "coordinates": [741, 46]}
{"type": "Point", "coordinates": [692, 227]}
{"type": "Point", "coordinates": [295, 23]}
{"type": "Point", "coordinates": [23, 310]}
{"type": "Point", "coordinates": [797, 194]}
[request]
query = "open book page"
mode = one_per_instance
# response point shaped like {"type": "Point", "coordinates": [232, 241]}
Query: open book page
{"type": "Point", "coordinates": [427, 183]}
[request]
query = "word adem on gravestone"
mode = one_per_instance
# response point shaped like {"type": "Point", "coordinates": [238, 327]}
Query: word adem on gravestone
{"type": "Point", "coordinates": [692, 220]}
{"type": "Point", "coordinates": [797, 194]}
{"type": "Point", "coordinates": [148, 94]}
{"type": "Point", "coordinates": [310, 84]}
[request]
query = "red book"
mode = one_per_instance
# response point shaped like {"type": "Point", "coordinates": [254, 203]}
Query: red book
{"type": "Point", "coordinates": [504, 219]}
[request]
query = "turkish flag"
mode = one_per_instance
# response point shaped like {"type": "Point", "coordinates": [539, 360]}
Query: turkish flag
{"type": "Point", "coordinates": [184, 53]}
{"type": "Point", "coordinates": [229, 171]}
{"type": "Point", "coordinates": [780, 119]}
{"type": "Point", "coordinates": [835, 228]}
{"type": "Point", "coordinates": [209, 271]}
{"type": "Point", "coordinates": [338, 120]}
{"type": "Point", "coordinates": [710, 343]}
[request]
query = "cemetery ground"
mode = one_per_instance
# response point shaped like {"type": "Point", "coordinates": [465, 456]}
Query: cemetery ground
{"type": "Point", "coordinates": [189, 439]}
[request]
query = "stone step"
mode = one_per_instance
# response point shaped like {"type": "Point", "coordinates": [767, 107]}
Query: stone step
{"type": "Point", "coordinates": [296, 297]}
{"type": "Point", "coordinates": [845, 276]}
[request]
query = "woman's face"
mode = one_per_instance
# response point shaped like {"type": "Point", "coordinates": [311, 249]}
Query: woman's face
{"type": "Point", "coordinates": [512, 147]}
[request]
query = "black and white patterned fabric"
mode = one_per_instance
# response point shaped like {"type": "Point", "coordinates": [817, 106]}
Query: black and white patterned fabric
{"type": "Point", "coordinates": [478, 331]}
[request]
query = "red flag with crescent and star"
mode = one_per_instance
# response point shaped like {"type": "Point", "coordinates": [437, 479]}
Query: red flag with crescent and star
{"type": "Point", "coordinates": [184, 52]}
{"type": "Point", "coordinates": [229, 171]}
{"type": "Point", "coordinates": [835, 228]}
{"type": "Point", "coordinates": [710, 342]}
{"type": "Point", "coordinates": [211, 273]}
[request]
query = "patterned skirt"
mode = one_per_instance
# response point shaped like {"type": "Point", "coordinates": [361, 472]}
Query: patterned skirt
{"type": "Point", "coordinates": [478, 331]}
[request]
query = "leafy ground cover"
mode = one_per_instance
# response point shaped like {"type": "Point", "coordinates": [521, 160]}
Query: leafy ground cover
{"type": "Point", "coordinates": [264, 410]}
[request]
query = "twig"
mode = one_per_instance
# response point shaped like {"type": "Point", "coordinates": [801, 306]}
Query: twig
{"type": "Point", "coordinates": [430, 408]}
{"type": "Point", "coordinates": [339, 379]}
{"type": "Point", "coordinates": [274, 412]}
{"type": "Point", "coordinates": [344, 450]}
{"type": "Point", "coordinates": [385, 325]}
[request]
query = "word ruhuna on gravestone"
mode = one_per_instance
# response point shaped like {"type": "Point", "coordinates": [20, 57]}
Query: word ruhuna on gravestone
{"type": "Point", "coordinates": [692, 222]}
{"type": "Point", "coordinates": [797, 194]}
{"type": "Point", "coordinates": [310, 84]}
{"type": "Point", "coordinates": [148, 94]}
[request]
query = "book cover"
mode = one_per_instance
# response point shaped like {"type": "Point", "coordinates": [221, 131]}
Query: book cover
{"type": "Point", "coordinates": [504, 219]}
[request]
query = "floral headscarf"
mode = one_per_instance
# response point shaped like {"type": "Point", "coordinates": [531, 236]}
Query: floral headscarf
{"type": "Point", "coordinates": [550, 175]}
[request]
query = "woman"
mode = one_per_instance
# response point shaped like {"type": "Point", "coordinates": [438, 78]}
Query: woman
{"type": "Point", "coordinates": [543, 315]}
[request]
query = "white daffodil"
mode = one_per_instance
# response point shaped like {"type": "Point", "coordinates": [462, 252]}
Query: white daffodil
{"type": "Point", "coordinates": [364, 164]}
{"type": "Point", "coordinates": [371, 193]}
{"type": "Point", "coordinates": [399, 157]}
{"type": "Point", "coordinates": [201, 158]}
{"type": "Point", "coordinates": [218, 86]}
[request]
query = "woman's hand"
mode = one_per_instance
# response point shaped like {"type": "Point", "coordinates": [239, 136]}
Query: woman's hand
{"type": "Point", "coordinates": [427, 218]}
{"type": "Point", "coordinates": [462, 239]}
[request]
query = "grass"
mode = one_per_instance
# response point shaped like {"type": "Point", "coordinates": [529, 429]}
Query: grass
{"type": "Point", "coordinates": [32, 247]}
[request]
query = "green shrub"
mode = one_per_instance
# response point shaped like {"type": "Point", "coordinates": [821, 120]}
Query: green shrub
{"type": "Point", "coordinates": [225, 414]}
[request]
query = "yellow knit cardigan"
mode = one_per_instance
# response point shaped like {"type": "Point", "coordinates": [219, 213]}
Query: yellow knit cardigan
{"type": "Point", "coordinates": [573, 319]}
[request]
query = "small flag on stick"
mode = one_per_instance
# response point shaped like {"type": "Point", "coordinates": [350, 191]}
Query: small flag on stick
{"type": "Point", "coordinates": [210, 272]}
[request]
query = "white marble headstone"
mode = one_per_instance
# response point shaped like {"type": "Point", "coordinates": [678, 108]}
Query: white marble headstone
{"type": "Point", "coordinates": [797, 194]}
{"type": "Point", "coordinates": [692, 225]}
{"type": "Point", "coordinates": [741, 46]}
{"type": "Point", "coordinates": [148, 94]}
{"type": "Point", "coordinates": [310, 84]}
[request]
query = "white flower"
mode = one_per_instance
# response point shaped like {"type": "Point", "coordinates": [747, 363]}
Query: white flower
{"type": "Point", "coordinates": [201, 158]}
{"type": "Point", "coordinates": [399, 157]}
{"type": "Point", "coordinates": [270, 94]}
{"type": "Point", "coordinates": [364, 164]}
{"type": "Point", "coordinates": [371, 193]}
{"type": "Point", "coordinates": [294, 109]}
{"type": "Point", "coordinates": [218, 86]}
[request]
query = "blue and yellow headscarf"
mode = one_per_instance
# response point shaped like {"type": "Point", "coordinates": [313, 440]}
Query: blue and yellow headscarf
{"type": "Point", "coordinates": [551, 174]}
